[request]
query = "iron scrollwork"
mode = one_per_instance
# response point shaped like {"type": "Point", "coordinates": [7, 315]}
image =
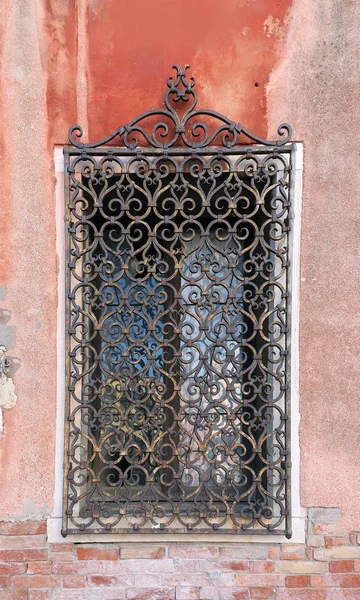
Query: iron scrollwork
{"type": "Point", "coordinates": [186, 128]}
{"type": "Point", "coordinates": [178, 325]}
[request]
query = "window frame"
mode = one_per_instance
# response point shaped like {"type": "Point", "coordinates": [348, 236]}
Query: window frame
{"type": "Point", "coordinates": [295, 151]}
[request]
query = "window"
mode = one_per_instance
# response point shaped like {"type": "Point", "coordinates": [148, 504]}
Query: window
{"type": "Point", "coordinates": [178, 326]}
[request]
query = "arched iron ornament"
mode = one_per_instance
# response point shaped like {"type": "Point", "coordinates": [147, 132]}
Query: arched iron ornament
{"type": "Point", "coordinates": [178, 325]}
{"type": "Point", "coordinates": [187, 129]}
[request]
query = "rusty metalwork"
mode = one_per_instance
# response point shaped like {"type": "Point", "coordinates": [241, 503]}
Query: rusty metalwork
{"type": "Point", "coordinates": [178, 327]}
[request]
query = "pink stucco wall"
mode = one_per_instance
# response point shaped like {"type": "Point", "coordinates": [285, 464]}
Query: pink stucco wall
{"type": "Point", "coordinates": [316, 86]}
{"type": "Point", "coordinates": [101, 63]}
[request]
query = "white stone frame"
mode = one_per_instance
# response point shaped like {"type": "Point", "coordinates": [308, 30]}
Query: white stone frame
{"type": "Point", "coordinates": [298, 513]}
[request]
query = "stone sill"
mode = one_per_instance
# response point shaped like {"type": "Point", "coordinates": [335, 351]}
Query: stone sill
{"type": "Point", "coordinates": [54, 536]}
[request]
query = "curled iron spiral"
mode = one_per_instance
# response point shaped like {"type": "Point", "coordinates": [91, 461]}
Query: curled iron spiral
{"type": "Point", "coordinates": [175, 128]}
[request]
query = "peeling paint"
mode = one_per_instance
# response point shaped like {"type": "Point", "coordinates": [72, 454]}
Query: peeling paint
{"type": "Point", "coordinates": [29, 512]}
{"type": "Point", "coordinates": [8, 395]}
{"type": "Point", "coordinates": [273, 26]}
{"type": "Point", "coordinates": [19, 74]}
{"type": "Point", "coordinates": [7, 332]}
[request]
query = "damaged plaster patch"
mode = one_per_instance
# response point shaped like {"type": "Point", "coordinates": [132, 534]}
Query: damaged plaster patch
{"type": "Point", "coordinates": [8, 365]}
{"type": "Point", "coordinates": [7, 332]}
{"type": "Point", "coordinates": [8, 395]}
{"type": "Point", "coordinates": [272, 26]}
{"type": "Point", "coordinates": [29, 512]}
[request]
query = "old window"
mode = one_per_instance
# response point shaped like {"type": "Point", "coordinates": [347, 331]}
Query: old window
{"type": "Point", "coordinates": [178, 325]}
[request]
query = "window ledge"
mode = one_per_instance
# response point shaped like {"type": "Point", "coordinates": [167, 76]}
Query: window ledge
{"type": "Point", "coordinates": [55, 537]}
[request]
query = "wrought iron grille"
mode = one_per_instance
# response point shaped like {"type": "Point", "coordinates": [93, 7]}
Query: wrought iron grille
{"type": "Point", "coordinates": [177, 325]}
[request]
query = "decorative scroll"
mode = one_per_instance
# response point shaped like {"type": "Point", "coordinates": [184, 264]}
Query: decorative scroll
{"type": "Point", "coordinates": [177, 325]}
{"type": "Point", "coordinates": [176, 127]}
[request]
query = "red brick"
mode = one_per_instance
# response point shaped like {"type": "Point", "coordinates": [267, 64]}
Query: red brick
{"type": "Point", "coordinates": [74, 581]}
{"type": "Point", "coordinates": [91, 567]}
{"type": "Point", "coordinates": [222, 580]}
{"type": "Point", "coordinates": [61, 547]}
{"type": "Point", "coordinates": [25, 528]}
{"type": "Point", "coordinates": [297, 581]}
{"type": "Point", "coordinates": [274, 553]}
{"type": "Point", "coordinates": [13, 595]}
{"type": "Point", "coordinates": [328, 529]}
{"type": "Point", "coordinates": [352, 537]}
{"type": "Point", "coordinates": [39, 568]}
{"type": "Point", "coordinates": [149, 566]}
{"type": "Point", "coordinates": [350, 581]}
{"type": "Point", "coordinates": [102, 580]}
{"type": "Point", "coordinates": [62, 556]}
{"type": "Point", "coordinates": [325, 581]}
{"type": "Point", "coordinates": [97, 553]}
{"type": "Point", "coordinates": [150, 594]}
{"type": "Point", "coordinates": [342, 594]}
{"type": "Point", "coordinates": [110, 580]}
{"type": "Point", "coordinates": [142, 552]}
{"type": "Point", "coordinates": [262, 566]}
{"type": "Point", "coordinates": [187, 565]}
{"type": "Point", "coordinates": [71, 568]}
{"type": "Point", "coordinates": [36, 581]}
{"type": "Point", "coordinates": [147, 580]}
{"type": "Point", "coordinates": [335, 541]}
{"type": "Point", "coordinates": [15, 568]}
{"type": "Point", "coordinates": [196, 580]}
{"type": "Point", "coordinates": [39, 594]}
{"type": "Point", "coordinates": [309, 553]}
{"type": "Point", "coordinates": [4, 581]}
{"type": "Point", "coordinates": [315, 541]}
{"type": "Point", "coordinates": [304, 594]}
{"type": "Point", "coordinates": [222, 566]}
{"type": "Point", "coordinates": [292, 548]}
{"type": "Point", "coordinates": [341, 566]}
{"type": "Point", "coordinates": [300, 567]}
{"type": "Point", "coordinates": [23, 555]}
{"type": "Point", "coordinates": [93, 594]}
{"type": "Point", "coordinates": [233, 565]}
{"type": "Point", "coordinates": [262, 594]}
{"type": "Point", "coordinates": [356, 565]}
{"type": "Point", "coordinates": [193, 551]}
{"type": "Point", "coordinates": [246, 551]}
{"type": "Point", "coordinates": [292, 557]}
{"type": "Point", "coordinates": [337, 552]}
{"type": "Point", "coordinates": [268, 580]}
{"type": "Point", "coordinates": [187, 593]}
{"type": "Point", "coordinates": [22, 541]}
{"type": "Point", "coordinates": [208, 593]}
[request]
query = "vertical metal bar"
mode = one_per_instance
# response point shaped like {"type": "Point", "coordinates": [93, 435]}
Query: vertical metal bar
{"type": "Point", "coordinates": [64, 529]}
{"type": "Point", "coordinates": [288, 520]}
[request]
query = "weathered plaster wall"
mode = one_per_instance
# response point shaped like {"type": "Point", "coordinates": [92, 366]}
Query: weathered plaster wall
{"type": "Point", "coordinates": [232, 47]}
{"type": "Point", "coordinates": [258, 61]}
{"type": "Point", "coordinates": [30, 264]}
{"type": "Point", "coordinates": [316, 87]}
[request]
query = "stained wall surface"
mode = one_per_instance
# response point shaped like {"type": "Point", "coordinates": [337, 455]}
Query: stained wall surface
{"type": "Point", "coordinates": [260, 62]}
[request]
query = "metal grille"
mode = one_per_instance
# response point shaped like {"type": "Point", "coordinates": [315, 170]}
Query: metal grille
{"type": "Point", "coordinates": [177, 326]}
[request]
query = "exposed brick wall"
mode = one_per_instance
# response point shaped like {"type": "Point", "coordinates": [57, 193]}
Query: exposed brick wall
{"type": "Point", "coordinates": [327, 567]}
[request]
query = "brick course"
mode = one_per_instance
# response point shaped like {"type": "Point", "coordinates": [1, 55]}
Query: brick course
{"type": "Point", "coordinates": [326, 567]}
